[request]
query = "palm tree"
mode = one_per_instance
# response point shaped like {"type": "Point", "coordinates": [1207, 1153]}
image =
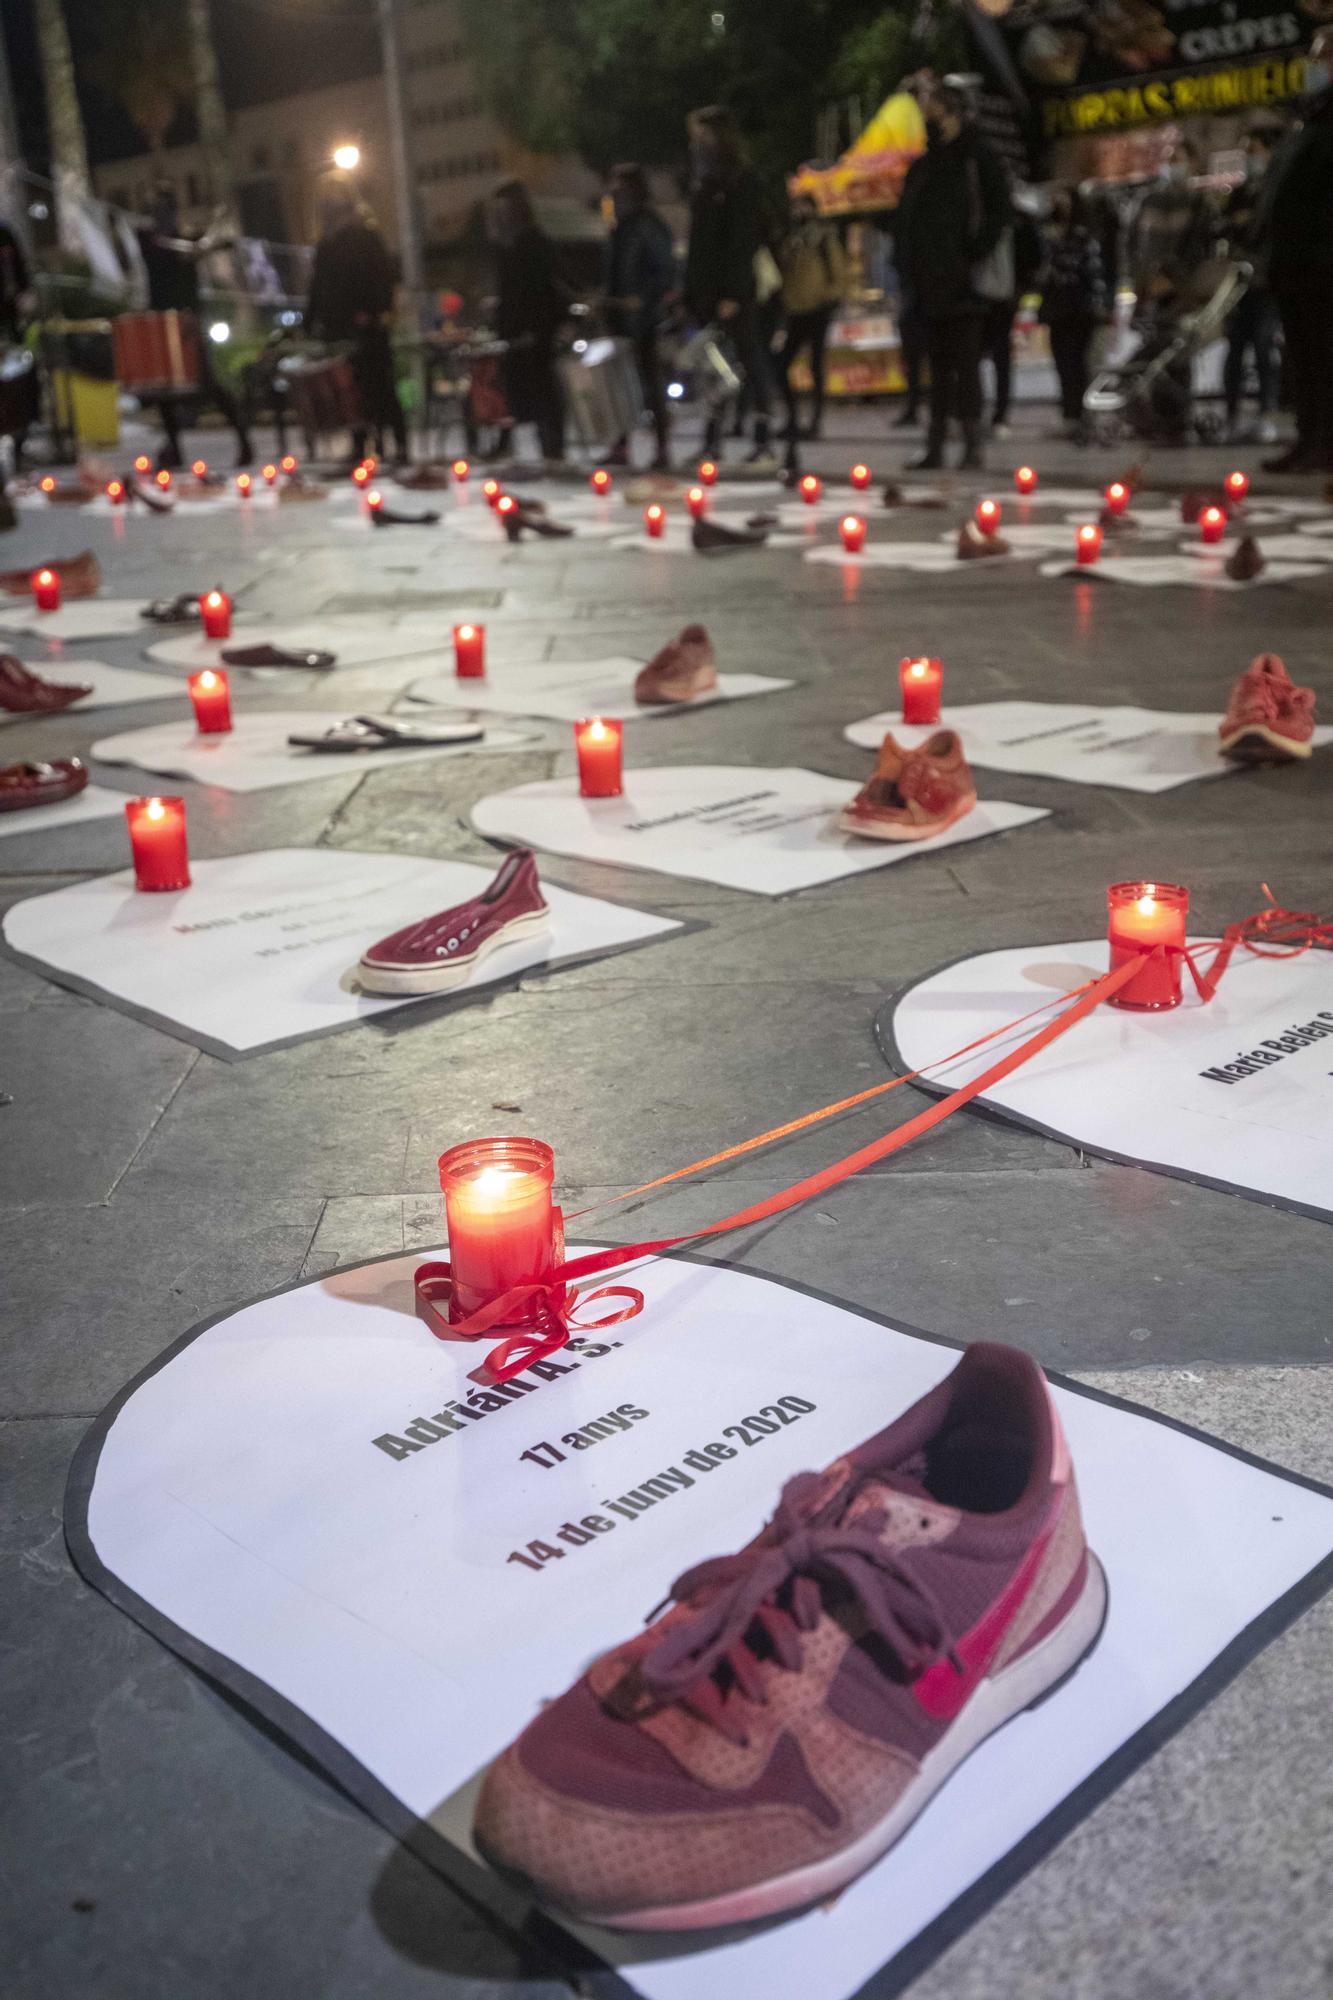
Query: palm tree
{"type": "Point", "coordinates": [144, 62]}
{"type": "Point", "coordinates": [69, 152]}
{"type": "Point", "coordinates": [210, 111]}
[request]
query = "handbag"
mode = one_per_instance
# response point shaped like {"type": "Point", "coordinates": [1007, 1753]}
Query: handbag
{"type": "Point", "coordinates": [992, 276]}
{"type": "Point", "coordinates": [767, 276]}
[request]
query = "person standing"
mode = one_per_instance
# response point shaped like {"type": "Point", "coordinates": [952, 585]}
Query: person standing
{"type": "Point", "coordinates": [1170, 239]}
{"type": "Point", "coordinates": [814, 281]}
{"type": "Point", "coordinates": [997, 335]}
{"type": "Point", "coordinates": [1252, 328]}
{"type": "Point", "coordinates": [351, 299]}
{"type": "Point", "coordinates": [638, 284]}
{"type": "Point", "coordinates": [1297, 224]}
{"type": "Point", "coordinates": [171, 263]}
{"type": "Point", "coordinates": [530, 307]}
{"type": "Point", "coordinates": [1074, 299]}
{"type": "Point", "coordinates": [951, 221]}
{"type": "Point", "coordinates": [724, 267]}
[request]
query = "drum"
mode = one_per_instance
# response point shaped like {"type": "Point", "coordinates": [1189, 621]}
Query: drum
{"type": "Point", "coordinates": [157, 353]}
{"type": "Point", "coordinates": [602, 394]}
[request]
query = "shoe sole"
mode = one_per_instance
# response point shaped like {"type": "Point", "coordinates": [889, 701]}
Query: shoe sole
{"type": "Point", "coordinates": [868, 829]}
{"type": "Point", "coordinates": [1258, 744]}
{"type": "Point", "coordinates": [663, 700]}
{"type": "Point", "coordinates": [449, 972]}
{"type": "Point", "coordinates": [1022, 1685]}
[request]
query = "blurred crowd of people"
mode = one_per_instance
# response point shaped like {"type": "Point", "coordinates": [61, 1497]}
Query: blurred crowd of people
{"type": "Point", "coordinates": [767, 276]}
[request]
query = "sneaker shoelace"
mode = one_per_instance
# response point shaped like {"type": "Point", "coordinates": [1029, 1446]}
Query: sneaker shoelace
{"type": "Point", "coordinates": [758, 1604]}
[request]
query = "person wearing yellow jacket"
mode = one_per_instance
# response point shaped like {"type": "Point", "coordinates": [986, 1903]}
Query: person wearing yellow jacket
{"type": "Point", "coordinates": [814, 279]}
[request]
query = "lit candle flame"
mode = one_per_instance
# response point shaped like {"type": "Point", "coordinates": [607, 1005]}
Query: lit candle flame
{"type": "Point", "coordinates": [156, 809]}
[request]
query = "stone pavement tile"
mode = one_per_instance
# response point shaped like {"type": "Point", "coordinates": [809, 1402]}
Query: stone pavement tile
{"type": "Point", "coordinates": [72, 1126]}
{"type": "Point", "coordinates": [93, 1293]}
{"type": "Point", "coordinates": [158, 1844]}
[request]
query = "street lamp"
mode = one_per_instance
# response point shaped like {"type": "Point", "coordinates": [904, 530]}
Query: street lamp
{"type": "Point", "coordinates": [347, 158]}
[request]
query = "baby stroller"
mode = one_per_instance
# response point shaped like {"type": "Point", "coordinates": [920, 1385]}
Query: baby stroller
{"type": "Point", "coordinates": [1147, 394]}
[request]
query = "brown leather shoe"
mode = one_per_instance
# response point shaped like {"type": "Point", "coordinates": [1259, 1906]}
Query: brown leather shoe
{"type": "Point", "coordinates": [914, 793]}
{"type": "Point", "coordinates": [22, 692]}
{"type": "Point", "coordinates": [1246, 561]}
{"type": "Point", "coordinates": [24, 785]}
{"type": "Point", "coordinates": [683, 670]}
{"type": "Point", "coordinates": [709, 536]}
{"type": "Point", "coordinates": [80, 576]}
{"type": "Point", "coordinates": [973, 546]}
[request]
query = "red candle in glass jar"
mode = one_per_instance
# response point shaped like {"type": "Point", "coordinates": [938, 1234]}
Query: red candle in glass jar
{"type": "Point", "coordinates": [115, 492]}
{"type": "Point", "coordinates": [1025, 479]}
{"type": "Point", "coordinates": [46, 589]}
{"type": "Point", "coordinates": [374, 499]}
{"type": "Point", "coordinates": [200, 469]}
{"type": "Point", "coordinates": [988, 516]}
{"type": "Point", "coordinates": [1088, 543]}
{"type": "Point", "coordinates": [501, 1223]}
{"type": "Point", "coordinates": [860, 476]}
{"type": "Point", "coordinates": [163, 480]}
{"type": "Point", "coordinates": [461, 470]}
{"type": "Point", "coordinates": [244, 484]}
{"type": "Point", "coordinates": [1237, 485]}
{"type": "Point", "coordinates": [921, 681]}
{"type": "Point", "coordinates": [215, 609]}
{"type": "Point", "coordinates": [599, 745]}
{"type": "Point", "coordinates": [143, 463]}
{"type": "Point", "coordinates": [494, 492]}
{"type": "Point", "coordinates": [157, 842]}
{"type": "Point", "coordinates": [288, 464]}
{"type": "Point", "coordinates": [47, 483]}
{"type": "Point", "coordinates": [853, 531]}
{"type": "Point", "coordinates": [1212, 524]}
{"type": "Point", "coordinates": [1116, 497]}
{"type": "Point", "coordinates": [810, 488]}
{"type": "Point", "coordinates": [600, 481]}
{"type": "Point", "coordinates": [697, 501]}
{"type": "Point", "coordinates": [707, 472]}
{"type": "Point", "coordinates": [212, 701]}
{"type": "Point", "coordinates": [470, 652]}
{"type": "Point", "coordinates": [1141, 916]}
{"type": "Point", "coordinates": [361, 475]}
{"type": "Point", "coordinates": [654, 520]}
{"type": "Point", "coordinates": [269, 474]}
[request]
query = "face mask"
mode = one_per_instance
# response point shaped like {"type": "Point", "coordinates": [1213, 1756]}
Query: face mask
{"type": "Point", "coordinates": [1318, 76]}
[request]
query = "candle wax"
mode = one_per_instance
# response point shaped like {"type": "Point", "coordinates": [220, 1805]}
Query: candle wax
{"type": "Point", "coordinates": [1137, 922]}
{"type": "Point", "coordinates": [500, 1220]}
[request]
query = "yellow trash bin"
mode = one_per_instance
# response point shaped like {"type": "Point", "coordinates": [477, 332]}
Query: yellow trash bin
{"type": "Point", "coordinates": [83, 385]}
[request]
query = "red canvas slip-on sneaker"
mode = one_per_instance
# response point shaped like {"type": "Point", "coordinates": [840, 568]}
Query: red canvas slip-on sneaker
{"type": "Point", "coordinates": [443, 951]}
{"type": "Point", "coordinates": [22, 692]}
{"type": "Point", "coordinates": [783, 1723]}
{"type": "Point", "coordinates": [23, 785]}
{"type": "Point", "coordinates": [914, 793]}
{"type": "Point", "coordinates": [683, 670]}
{"type": "Point", "coordinates": [1269, 719]}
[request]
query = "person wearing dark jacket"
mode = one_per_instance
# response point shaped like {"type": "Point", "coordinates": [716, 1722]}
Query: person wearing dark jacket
{"type": "Point", "coordinates": [530, 307]}
{"type": "Point", "coordinates": [638, 281]}
{"type": "Point", "coordinates": [171, 264]}
{"type": "Point", "coordinates": [1252, 327]}
{"type": "Point", "coordinates": [351, 299]}
{"type": "Point", "coordinates": [728, 231]}
{"type": "Point", "coordinates": [1074, 300]}
{"type": "Point", "coordinates": [1297, 223]}
{"type": "Point", "coordinates": [952, 216]}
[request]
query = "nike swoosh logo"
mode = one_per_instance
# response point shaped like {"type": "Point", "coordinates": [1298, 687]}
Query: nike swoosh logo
{"type": "Point", "coordinates": [941, 1690]}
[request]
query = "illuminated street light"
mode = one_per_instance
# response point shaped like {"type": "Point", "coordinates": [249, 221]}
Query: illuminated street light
{"type": "Point", "coordinates": [219, 332]}
{"type": "Point", "coordinates": [347, 158]}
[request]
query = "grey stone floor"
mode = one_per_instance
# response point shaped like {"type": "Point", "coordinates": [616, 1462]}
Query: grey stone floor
{"type": "Point", "coordinates": [153, 1841]}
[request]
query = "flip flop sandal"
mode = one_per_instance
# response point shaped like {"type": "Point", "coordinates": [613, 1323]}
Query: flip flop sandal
{"type": "Point", "coordinates": [182, 610]}
{"type": "Point", "coordinates": [377, 732]}
{"type": "Point", "coordinates": [277, 656]}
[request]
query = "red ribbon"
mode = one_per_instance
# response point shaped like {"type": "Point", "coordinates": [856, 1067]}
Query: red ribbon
{"type": "Point", "coordinates": [544, 1306]}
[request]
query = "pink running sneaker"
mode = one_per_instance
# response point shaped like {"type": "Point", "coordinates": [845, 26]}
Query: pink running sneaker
{"type": "Point", "coordinates": [784, 1722]}
{"type": "Point", "coordinates": [443, 951]}
{"type": "Point", "coordinates": [683, 670]}
{"type": "Point", "coordinates": [1269, 719]}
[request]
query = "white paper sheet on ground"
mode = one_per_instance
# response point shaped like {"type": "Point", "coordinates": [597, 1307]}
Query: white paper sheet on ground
{"type": "Point", "coordinates": [931, 558]}
{"type": "Point", "coordinates": [353, 641]}
{"type": "Point", "coordinates": [569, 690]}
{"type": "Point", "coordinates": [1287, 548]}
{"type": "Point", "coordinates": [1086, 501]}
{"type": "Point", "coordinates": [1133, 749]}
{"type": "Point", "coordinates": [1156, 1088]}
{"type": "Point", "coordinates": [746, 827]}
{"type": "Point", "coordinates": [236, 1503]}
{"type": "Point", "coordinates": [1150, 572]}
{"type": "Point", "coordinates": [1316, 528]}
{"type": "Point", "coordinates": [1168, 520]}
{"type": "Point", "coordinates": [482, 526]}
{"type": "Point", "coordinates": [93, 802]}
{"type": "Point", "coordinates": [1024, 536]}
{"type": "Point", "coordinates": [77, 618]}
{"type": "Point", "coordinates": [255, 754]}
{"type": "Point", "coordinates": [260, 949]}
{"type": "Point", "coordinates": [110, 686]}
